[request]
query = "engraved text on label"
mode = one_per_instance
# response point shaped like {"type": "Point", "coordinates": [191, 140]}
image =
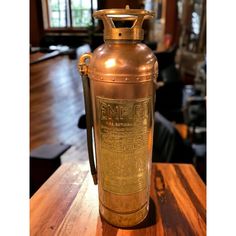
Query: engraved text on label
{"type": "Point", "coordinates": [124, 129]}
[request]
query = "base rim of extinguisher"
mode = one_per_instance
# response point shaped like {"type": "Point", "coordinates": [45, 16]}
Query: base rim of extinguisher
{"type": "Point", "coordinates": [124, 220]}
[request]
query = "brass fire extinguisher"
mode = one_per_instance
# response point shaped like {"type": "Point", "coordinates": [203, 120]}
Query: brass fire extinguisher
{"type": "Point", "coordinates": [119, 89]}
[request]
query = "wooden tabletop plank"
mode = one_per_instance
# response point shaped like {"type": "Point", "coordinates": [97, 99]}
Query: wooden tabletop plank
{"type": "Point", "coordinates": [51, 202]}
{"type": "Point", "coordinates": [67, 204]}
{"type": "Point", "coordinates": [182, 211]}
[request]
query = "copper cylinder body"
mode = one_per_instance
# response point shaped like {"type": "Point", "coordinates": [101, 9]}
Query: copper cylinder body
{"type": "Point", "coordinates": [122, 91]}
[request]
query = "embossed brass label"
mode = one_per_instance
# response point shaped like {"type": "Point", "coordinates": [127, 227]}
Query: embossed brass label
{"type": "Point", "coordinates": [124, 128]}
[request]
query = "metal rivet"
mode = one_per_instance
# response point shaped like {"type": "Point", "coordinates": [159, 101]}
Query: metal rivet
{"type": "Point", "coordinates": [126, 79]}
{"type": "Point", "coordinates": [137, 78]}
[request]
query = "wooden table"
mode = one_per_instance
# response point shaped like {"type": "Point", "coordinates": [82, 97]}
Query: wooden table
{"type": "Point", "coordinates": [67, 204]}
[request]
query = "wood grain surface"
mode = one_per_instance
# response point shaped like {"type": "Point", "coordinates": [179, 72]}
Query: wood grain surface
{"type": "Point", "coordinates": [67, 204]}
{"type": "Point", "coordinates": [56, 101]}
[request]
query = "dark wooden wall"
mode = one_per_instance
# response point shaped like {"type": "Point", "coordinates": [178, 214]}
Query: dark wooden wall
{"type": "Point", "coordinates": [172, 23]}
{"type": "Point", "coordinates": [36, 22]}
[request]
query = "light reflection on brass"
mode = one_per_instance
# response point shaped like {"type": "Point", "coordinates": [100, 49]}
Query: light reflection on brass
{"type": "Point", "coordinates": [110, 63]}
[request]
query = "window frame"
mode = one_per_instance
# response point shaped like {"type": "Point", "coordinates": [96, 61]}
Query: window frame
{"type": "Point", "coordinates": [67, 29]}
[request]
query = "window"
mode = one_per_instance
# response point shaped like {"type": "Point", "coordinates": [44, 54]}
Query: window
{"type": "Point", "coordinates": [68, 13]}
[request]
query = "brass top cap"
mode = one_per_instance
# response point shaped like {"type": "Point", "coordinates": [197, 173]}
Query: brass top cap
{"type": "Point", "coordinates": [134, 16]}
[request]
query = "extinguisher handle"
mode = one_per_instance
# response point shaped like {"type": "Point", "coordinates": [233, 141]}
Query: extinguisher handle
{"type": "Point", "coordinates": [83, 69]}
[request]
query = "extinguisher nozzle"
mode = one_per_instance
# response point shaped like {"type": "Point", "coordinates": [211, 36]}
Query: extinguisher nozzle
{"type": "Point", "coordinates": [95, 179]}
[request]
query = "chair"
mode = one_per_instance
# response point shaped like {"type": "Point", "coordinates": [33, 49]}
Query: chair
{"type": "Point", "coordinates": [44, 160]}
{"type": "Point", "coordinates": [169, 97]}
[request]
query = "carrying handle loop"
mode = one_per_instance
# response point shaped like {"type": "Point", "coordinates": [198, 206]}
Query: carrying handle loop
{"type": "Point", "coordinates": [125, 14]}
{"type": "Point", "coordinates": [111, 32]}
{"type": "Point", "coordinates": [83, 69]}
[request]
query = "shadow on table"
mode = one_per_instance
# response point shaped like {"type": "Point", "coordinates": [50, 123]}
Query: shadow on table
{"type": "Point", "coordinates": [150, 220]}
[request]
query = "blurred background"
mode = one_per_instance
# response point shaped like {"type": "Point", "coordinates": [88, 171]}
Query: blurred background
{"type": "Point", "coordinates": [62, 30]}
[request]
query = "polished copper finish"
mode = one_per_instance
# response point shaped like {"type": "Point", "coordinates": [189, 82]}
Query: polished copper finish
{"type": "Point", "coordinates": [120, 88]}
